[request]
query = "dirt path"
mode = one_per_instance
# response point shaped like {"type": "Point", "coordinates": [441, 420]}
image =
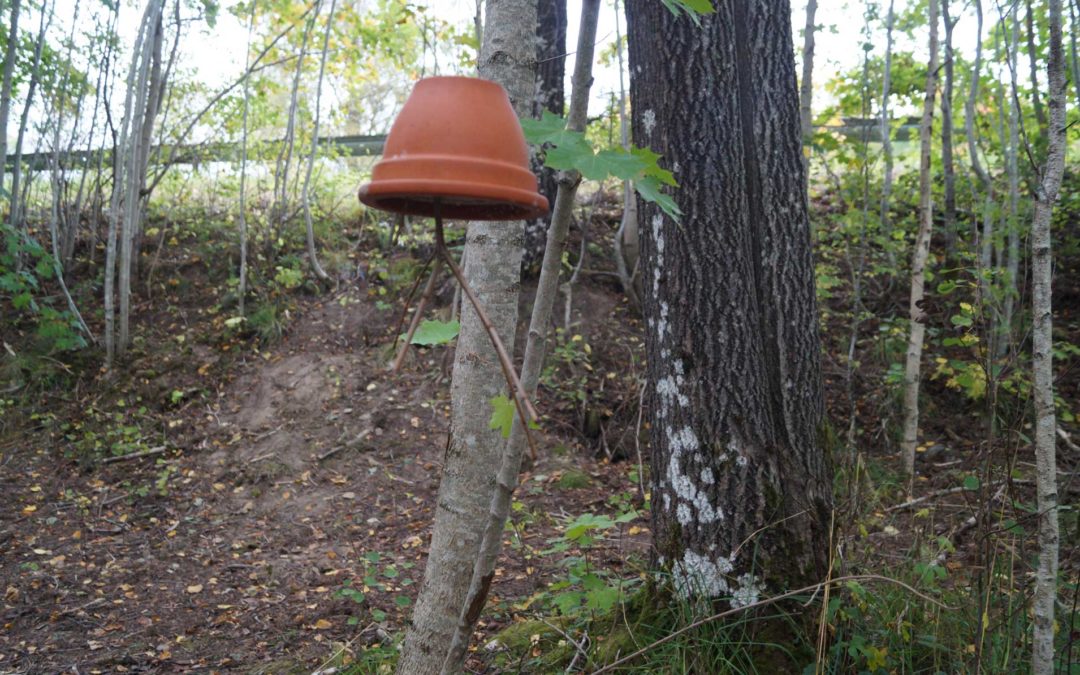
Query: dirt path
{"type": "Point", "coordinates": [311, 472]}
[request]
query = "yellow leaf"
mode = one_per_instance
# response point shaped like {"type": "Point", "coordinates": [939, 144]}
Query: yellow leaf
{"type": "Point", "coordinates": [27, 510]}
{"type": "Point", "coordinates": [194, 588]}
{"type": "Point", "coordinates": [322, 624]}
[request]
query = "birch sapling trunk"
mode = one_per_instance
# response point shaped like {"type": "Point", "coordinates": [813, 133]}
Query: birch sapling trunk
{"type": "Point", "coordinates": [121, 168]}
{"type": "Point", "coordinates": [493, 270]}
{"type": "Point", "coordinates": [983, 238]}
{"type": "Point", "coordinates": [948, 225]}
{"type": "Point", "coordinates": [241, 289]}
{"type": "Point", "coordinates": [147, 97]}
{"type": "Point", "coordinates": [806, 87]}
{"type": "Point", "coordinates": [920, 254]}
{"type": "Point", "coordinates": [279, 214]}
{"type": "Point", "coordinates": [15, 208]}
{"type": "Point", "coordinates": [5, 88]}
{"type": "Point", "coordinates": [1033, 67]}
{"type": "Point", "coordinates": [886, 129]}
{"type": "Point", "coordinates": [305, 196]}
{"type": "Point", "coordinates": [1012, 169]}
{"type": "Point", "coordinates": [627, 238]}
{"type": "Point", "coordinates": [535, 347]}
{"type": "Point", "coordinates": [1042, 662]}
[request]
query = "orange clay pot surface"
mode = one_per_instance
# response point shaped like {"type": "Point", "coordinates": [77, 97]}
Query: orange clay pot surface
{"type": "Point", "coordinates": [457, 140]}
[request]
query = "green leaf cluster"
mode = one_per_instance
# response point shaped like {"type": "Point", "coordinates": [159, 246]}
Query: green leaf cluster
{"type": "Point", "coordinates": [567, 150]}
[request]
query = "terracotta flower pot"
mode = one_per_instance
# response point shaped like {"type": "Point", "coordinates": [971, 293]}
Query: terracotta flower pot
{"type": "Point", "coordinates": [458, 140]}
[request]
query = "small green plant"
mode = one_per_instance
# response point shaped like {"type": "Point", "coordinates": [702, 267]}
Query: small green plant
{"type": "Point", "coordinates": [376, 576]}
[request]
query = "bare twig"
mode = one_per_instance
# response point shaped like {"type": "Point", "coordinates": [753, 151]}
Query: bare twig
{"type": "Point", "coordinates": [135, 455]}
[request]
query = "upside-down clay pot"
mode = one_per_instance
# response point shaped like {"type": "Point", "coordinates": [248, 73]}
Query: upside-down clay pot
{"type": "Point", "coordinates": [456, 140]}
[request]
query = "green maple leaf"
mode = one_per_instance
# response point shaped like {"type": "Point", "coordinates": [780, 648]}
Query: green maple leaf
{"type": "Point", "coordinates": [436, 332]}
{"type": "Point", "coordinates": [502, 415]}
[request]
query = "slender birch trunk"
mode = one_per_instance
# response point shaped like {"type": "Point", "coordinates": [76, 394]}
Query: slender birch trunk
{"type": "Point", "coordinates": [242, 219]}
{"type": "Point", "coordinates": [1033, 64]}
{"type": "Point", "coordinates": [627, 238]}
{"type": "Point", "coordinates": [1011, 144]}
{"type": "Point", "coordinates": [535, 347]}
{"type": "Point", "coordinates": [305, 195]}
{"type": "Point", "coordinates": [492, 267]}
{"type": "Point", "coordinates": [948, 225]}
{"type": "Point", "coordinates": [147, 98]}
{"type": "Point", "coordinates": [1042, 662]}
{"type": "Point", "coordinates": [5, 87]}
{"type": "Point", "coordinates": [886, 129]}
{"type": "Point", "coordinates": [806, 87]}
{"type": "Point", "coordinates": [984, 237]}
{"type": "Point", "coordinates": [15, 209]}
{"type": "Point", "coordinates": [920, 254]}
{"type": "Point", "coordinates": [280, 211]}
{"type": "Point", "coordinates": [1074, 28]}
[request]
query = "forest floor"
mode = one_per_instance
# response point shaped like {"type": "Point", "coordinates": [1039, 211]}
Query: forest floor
{"type": "Point", "coordinates": [273, 478]}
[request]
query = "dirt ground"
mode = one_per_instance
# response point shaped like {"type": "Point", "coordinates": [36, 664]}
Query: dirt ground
{"type": "Point", "coordinates": [280, 476]}
{"type": "Point", "coordinates": [296, 467]}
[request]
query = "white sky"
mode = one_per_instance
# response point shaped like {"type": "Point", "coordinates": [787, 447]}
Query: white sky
{"type": "Point", "coordinates": [217, 55]}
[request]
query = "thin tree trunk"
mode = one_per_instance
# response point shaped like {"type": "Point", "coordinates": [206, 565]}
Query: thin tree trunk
{"type": "Point", "coordinates": [242, 220]}
{"type": "Point", "coordinates": [116, 200]}
{"type": "Point", "coordinates": [1010, 141]}
{"type": "Point", "coordinates": [886, 132]}
{"type": "Point", "coordinates": [16, 204]}
{"type": "Point", "coordinates": [1074, 28]}
{"type": "Point", "coordinates": [1042, 662]}
{"type": "Point", "coordinates": [147, 98]}
{"type": "Point", "coordinates": [535, 347]}
{"type": "Point", "coordinates": [5, 87]}
{"type": "Point", "coordinates": [305, 195]}
{"type": "Point", "coordinates": [280, 210]}
{"type": "Point", "coordinates": [741, 490]}
{"type": "Point", "coordinates": [492, 267]}
{"type": "Point", "coordinates": [627, 240]}
{"type": "Point", "coordinates": [949, 222]}
{"type": "Point", "coordinates": [1033, 63]}
{"type": "Point", "coordinates": [913, 361]}
{"type": "Point", "coordinates": [806, 87]}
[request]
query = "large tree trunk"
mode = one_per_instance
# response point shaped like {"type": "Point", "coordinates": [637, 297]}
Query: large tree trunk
{"type": "Point", "coordinates": [550, 95]}
{"type": "Point", "coordinates": [1042, 661]}
{"type": "Point", "coordinates": [920, 254]}
{"type": "Point", "coordinates": [492, 267]}
{"type": "Point", "coordinates": [741, 489]}
{"type": "Point", "coordinates": [806, 87]}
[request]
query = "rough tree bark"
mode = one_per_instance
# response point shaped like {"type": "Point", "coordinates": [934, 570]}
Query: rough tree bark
{"type": "Point", "coordinates": [806, 87]}
{"type": "Point", "coordinates": [535, 347]}
{"type": "Point", "coordinates": [741, 489]}
{"type": "Point", "coordinates": [550, 95]}
{"type": "Point", "coordinates": [492, 267]}
{"type": "Point", "coordinates": [1042, 661]}
{"type": "Point", "coordinates": [917, 331]}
